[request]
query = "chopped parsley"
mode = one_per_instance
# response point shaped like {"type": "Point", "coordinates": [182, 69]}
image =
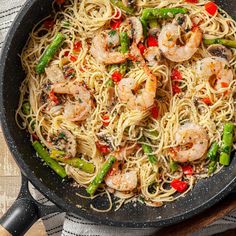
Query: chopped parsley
{"type": "Point", "coordinates": [62, 136]}
{"type": "Point", "coordinates": [112, 33]}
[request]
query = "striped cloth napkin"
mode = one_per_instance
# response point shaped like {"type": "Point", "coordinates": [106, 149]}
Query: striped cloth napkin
{"type": "Point", "coordinates": [68, 224]}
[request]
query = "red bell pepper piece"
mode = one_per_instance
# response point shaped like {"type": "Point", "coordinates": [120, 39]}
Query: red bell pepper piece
{"type": "Point", "coordinates": [49, 23]}
{"type": "Point", "coordinates": [73, 58]}
{"type": "Point", "coordinates": [104, 149]}
{"type": "Point", "coordinates": [116, 23]}
{"type": "Point", "coordinates": [116, 76]}
{"type": "Point", "coordinates": [53, 97]}
{"type": "Point", "coordinates": [175, 88]}
{"type": "Point", "coordinates": [152, 41]}
{"type": "Point", "coordinates": [207, 101]}
{"type": "Point", "coordinates": [154, 111]}
{"type": "Point", "coordinates": [77, 46]}
{"type": "Point", "coordinates": [224, 85]}
{"type": "Point", "coordinates": [176, 75]}
{"type": "Point", "coordinates": [66, 53]}
{"type": "Point", "coordinates": [188, 170]}
{"type": "Point", "coordinates": [106, 120]}
{"type": "Point", "coordinates": [211, 8]}
{"type": "Point", "coordinates": [180, 186]}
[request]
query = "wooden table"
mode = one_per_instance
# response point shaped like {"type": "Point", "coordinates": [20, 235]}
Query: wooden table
{"type": "Point", "coordinates": [10, 185]}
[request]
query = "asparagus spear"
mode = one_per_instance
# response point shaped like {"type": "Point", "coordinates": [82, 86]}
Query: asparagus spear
{"type": "Point", "coordinates": [91, 189]}
{"type": "Point", "coordinates": [26, 108]}
{"type": "Point", "coordinates": [123, 68]}
{"type": "Point", "coordinates": [153, 23]}
{"type": "Point", "coordinates": [110, 83]}
{"type": "Point", "coordinates": [212, 167]}
{"type": "Point", "coordinates": [124, 42]}
{"type": "Point", "coordinates": [225, 42]}
{"type": "Point", "coordinates": [212, 156]}
{"type": "Point", "coordinates": [212, 152]}
{"type": "Point", "coordinates": [120, 4]}
{"type": "Point", "coordinates": [49, 161]}
{"type": "Point", "coordinates": [227, 143]}
{"type": "Point", "coordinates": [173, 166]}
{"type": "Point", "coordinates": [49, 53]}
{"type": "Point", "coordinates": [147, 150]}
{"type": "Point", "coordinates": [112, 67]}
{"type": "Point", "coordinates": [26, 111]}
{"type": "Point", "coordinates": [75, 162]}
{"type": "Point", "coordinates": [159, 13]}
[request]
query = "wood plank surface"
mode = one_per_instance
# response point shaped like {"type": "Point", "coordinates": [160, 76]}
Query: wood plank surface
{"type": "Point", "coordinates": [10, 186]}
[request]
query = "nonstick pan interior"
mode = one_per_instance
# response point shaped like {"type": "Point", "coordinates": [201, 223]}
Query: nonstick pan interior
{"type": "Point", "coordinates": [205, 193]}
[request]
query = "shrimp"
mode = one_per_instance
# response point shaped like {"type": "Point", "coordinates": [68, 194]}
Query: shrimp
{"type": "Point", "coordinates": [79, 109]}
{"type": "Point", "coordinates": [218, 50]}
{"type": "Point", "coordinates": [169, 39]}
{"type": "Point", "coordinates": [216, 71]}
{"type": "Point", "coordinates": [100, 52]}
{"type": "Point", "coordinates": [192, 143]}
{"type": "Point", "coordinates": [144, 99]}
{"type": "Point", "coordinates": [122, 181]}
{"type": "Point", "coordinates": [152, 55]}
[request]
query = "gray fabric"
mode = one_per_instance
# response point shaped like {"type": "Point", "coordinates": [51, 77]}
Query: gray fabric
{"type": "Point", "coordinates": [68, 224]}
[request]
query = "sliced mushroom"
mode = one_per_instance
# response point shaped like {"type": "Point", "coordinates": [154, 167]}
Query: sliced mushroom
{"type": "Point", "coordinates": [54, 74]}
{"type": "Point", "coordinates": [136, 29]}
{"type": "Point", "coordinates": [181, 20]}
{"type": "Point", "coordinates": [219, 50]}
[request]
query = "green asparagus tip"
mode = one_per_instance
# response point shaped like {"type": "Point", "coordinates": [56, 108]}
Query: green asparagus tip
{"type": "Point", "coordinates": [212, 167]}
{"type": "Point", "coordinates": [26, 108]}
{"type": "Point", "coordinates": [49, 53]}
{"type": "Point", "coordinates": [224, 159]}
{"type": "Point", "coordinates": [227, 144]}
{"type": "Point", "coordinates": [91, 189]}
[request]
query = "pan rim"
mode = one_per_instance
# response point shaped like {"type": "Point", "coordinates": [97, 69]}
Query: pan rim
{"type": "Point", "coordinates": [51, 195]}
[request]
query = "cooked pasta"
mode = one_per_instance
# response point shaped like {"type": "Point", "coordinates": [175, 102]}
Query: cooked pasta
{"type": "Point", "coordinates": [155, 92]}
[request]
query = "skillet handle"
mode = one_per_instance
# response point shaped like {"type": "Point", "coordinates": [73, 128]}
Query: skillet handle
{"type": "Point", "coordinates": [24, 212]}
{"type": "Point", "coordinates": [19, 218]}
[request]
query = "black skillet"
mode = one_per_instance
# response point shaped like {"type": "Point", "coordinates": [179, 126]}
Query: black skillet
{"type": "Point", "coordinates": [25, 211]}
